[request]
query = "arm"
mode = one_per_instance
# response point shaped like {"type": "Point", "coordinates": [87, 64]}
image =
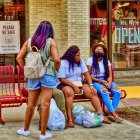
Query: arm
{"type": "Point", "coordinates": [89, 81]}
{"type": "Point", "coordinates": [55, 55]}
{"type": "Point", "coordinates": [87, 77]}
{"type": "Point", "coordinates": [109, 79]}
{"type": "Point", "coordinates": [21, 55]}
{"type": "Point", "coordinates": [95, 79]}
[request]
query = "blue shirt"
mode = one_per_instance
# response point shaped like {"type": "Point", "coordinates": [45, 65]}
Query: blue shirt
{"type": "Point", "coordinates": [74, 74]}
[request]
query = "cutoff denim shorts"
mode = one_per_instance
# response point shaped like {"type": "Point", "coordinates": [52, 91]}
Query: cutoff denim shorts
{"type": "Point", "coordinates": [47, 81]}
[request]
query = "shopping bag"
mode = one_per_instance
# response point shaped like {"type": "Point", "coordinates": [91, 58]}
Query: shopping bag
{"type": "Point", "coordinates": [56, 118]}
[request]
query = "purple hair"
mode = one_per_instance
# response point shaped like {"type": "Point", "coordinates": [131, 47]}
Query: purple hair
{"type": "Point", "coordinates": [43, 32]}
{"type": "Point", "coordinates": [69, 56]}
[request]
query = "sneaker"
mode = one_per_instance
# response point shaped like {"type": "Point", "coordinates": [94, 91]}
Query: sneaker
{"type": "Point", "coordinates": [46, 136]}
{"type": "Point", "coordinates": [22, 132]}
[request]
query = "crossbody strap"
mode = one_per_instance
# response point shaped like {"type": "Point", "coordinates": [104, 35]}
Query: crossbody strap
{"type": "Point", "coordinates": [29, 45]}
{"type": "Point", "coordinates": [48, 61]}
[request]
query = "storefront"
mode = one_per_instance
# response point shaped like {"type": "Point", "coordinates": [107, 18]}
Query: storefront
{"type": "Point", "coordinates": [12, 29]}
{"type": "Point", "coordinates": [80, 23]}
{"type": "Point", "coordinates": [70, 20]}
{"type": "Point", "coordinates": [117, 23]}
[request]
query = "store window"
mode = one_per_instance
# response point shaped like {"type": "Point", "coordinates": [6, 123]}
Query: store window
{"type": "Point", "coordinates": [126, 36]}
{"type": "Point", "coordinates": [98, 20]}
{"type": "Point", "coordinates": [12, 14]}
{"type": "Point", "coordinates": [125, 47]}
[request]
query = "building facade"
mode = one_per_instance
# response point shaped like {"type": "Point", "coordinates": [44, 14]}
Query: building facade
{"type": "Point", "coordinates": [73, 24]}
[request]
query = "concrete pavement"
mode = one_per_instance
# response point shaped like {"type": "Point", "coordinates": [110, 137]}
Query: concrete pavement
{"type": "Point", "coordinates": [14, 119]}
{"type": "Point", "coordinates": [125, 131]}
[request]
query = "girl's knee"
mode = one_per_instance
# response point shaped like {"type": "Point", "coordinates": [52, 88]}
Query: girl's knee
{"type": "Point", "coordinates": [116, 88]}
{"type": "Point", "coordinates": [69, 93]}
{"type": "Point", "coordinates": [31, 107]}
{"type": "Point", "coordinates": [46, 103]}
{"type": "Point", "coordinates": [104, 92]}
{"type": "Point", "coordinates": [45, 106]}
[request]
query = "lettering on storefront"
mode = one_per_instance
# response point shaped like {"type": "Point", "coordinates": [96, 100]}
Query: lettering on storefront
{"type": "Point", "coordinates": [128, 32]}
{"type": "Point", "coordinates": [9, 37]}
{"type": "Point", "coordinates": [98, 21]}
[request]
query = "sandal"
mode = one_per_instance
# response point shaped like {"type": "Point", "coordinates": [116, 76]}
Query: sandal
{"type": "Point", "coordinates": [111, 118]}
{"type": "Point", "coordinates": [70, 124]}
{"type": "Point", "coordinates": [118, 119]}
{"type": "Point", "coordinates": [107, 121]}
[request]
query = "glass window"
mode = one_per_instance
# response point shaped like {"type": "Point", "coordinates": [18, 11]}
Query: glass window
{"type": "Point", "coordinates": [13, 10]}
{"type": "Point", "coordinates": [126, 34]}
{"type": "Point", "coordinates": [98, 15]}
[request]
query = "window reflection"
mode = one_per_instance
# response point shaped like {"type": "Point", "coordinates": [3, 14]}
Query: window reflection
{"type": "Point", "coordinates": [98, 11]}
{"type": "Point", "coordinates": [126, 41]}
{"type": "Point", "coordinates": [125, 30]}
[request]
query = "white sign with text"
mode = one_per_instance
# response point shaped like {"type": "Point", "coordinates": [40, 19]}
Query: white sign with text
{"type": "Point", "coordinates": [9, 37]}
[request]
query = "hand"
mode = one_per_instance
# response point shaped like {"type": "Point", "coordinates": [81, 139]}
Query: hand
{"type": "Point", "coordinates": [103, 82]}
{"type": "Point", "coordinates": [76, 89]}
{"type": "Point", "coordinates": [108, 85]}
{"type": "Point", "coordinates": [93, 90]}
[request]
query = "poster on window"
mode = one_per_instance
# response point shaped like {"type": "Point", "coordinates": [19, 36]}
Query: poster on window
{"type": "Point", "coordinates": [9, 37]}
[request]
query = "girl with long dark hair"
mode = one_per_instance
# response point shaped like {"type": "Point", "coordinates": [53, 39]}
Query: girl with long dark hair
{"type": "Point", "coordinates": [73, 69]}
{"type": "Point", "coordinates": [100, 69]}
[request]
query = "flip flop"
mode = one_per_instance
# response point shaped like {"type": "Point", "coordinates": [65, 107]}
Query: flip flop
{"type": "Point", "coordinates": [118, 119]}
{"type": "Point", "coordinates": [111, 118]}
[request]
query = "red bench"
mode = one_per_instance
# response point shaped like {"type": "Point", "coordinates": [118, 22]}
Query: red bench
{"type": "Point", "coordinates": [22, 84]}
{"type": "Point", "coordinates": [8, 96]}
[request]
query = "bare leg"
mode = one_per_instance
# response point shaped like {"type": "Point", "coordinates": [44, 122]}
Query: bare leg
{"type": "Point", "coordinates": [93, 97]}
{"type": "Point", "coordinates": [46, 95]}
{"type": "Point", "coordinates": [69, 95]}
{"type": "Point", "coordinates": [32, 101]}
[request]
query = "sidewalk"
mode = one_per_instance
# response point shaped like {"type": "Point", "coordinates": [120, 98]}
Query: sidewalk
{"type": "Point", "coordinates": [14, 119]}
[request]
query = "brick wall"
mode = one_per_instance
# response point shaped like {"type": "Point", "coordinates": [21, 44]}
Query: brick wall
{"type": "Point", "coordinates": [78, 25]}
{"type": "Point", "coordinates": [50, 10]}
{"type": "Point", "coordinates": [64, 26]}
{"type": "Point", "coordinates": [70, 20]}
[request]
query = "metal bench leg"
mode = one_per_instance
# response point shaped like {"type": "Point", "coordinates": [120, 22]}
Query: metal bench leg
{"type": "Point", "coordinates": [1, 120]}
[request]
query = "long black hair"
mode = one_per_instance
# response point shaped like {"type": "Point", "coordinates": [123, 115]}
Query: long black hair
{"type": "Point", "coordinates": [69, 56]}
{"type": "Point", "coordinates": [95, 65]}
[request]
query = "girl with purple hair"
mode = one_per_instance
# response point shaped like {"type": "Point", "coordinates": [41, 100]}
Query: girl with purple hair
{"type": "Point", "coordinates": [43, 40]}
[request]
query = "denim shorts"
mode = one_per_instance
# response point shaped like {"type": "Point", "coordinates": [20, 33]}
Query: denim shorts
{"type": "Point", "coordinates": [47, 81]}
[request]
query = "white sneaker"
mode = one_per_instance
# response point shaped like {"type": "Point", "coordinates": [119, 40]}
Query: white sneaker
{"type": "Point", "coordinates": [22, 132]}
{"type": "Point", "coordinates": [46, 136]}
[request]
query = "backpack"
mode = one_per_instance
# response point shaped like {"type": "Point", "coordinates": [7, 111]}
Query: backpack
{"type": "Point", "coordinates": [34, 67]}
